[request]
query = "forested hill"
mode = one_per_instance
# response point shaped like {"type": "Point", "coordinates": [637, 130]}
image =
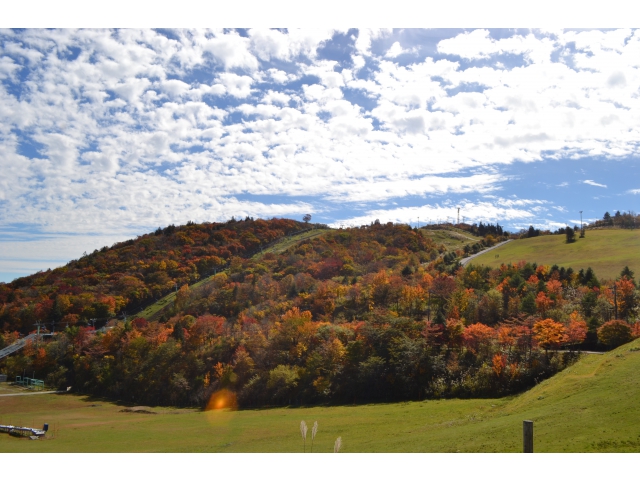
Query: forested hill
{"type": "Point", "coordinates": [132, 273]}
{"type": "Point", "coordinates": [371, 264]}
{"type": "Point", "coordinates": [351, 315]}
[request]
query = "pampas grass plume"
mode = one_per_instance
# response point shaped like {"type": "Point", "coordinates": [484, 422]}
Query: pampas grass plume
{"type": "Point", "coordinates": [303, 432]}
{"type": "Point", "coordinates": [314, 430]}
{"type": "Point", "coordinates": [337, 445]}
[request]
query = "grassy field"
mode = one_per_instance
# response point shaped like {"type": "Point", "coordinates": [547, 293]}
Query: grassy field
{"type": "Point", "coordinates": [589, 407]}
{"type": "Point", "coordinates": [279, 247]}
{"type": "Point", "coordinates": [606, 251]}
{"type": "Point", "coordinates": [452, 238]}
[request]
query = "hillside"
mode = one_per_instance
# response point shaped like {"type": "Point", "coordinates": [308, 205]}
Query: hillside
{"type": "Point", "coordinates": [368, 314]}
{"type": "Point", "coordinates": [275, 247]}
{"type": "Point", "coordinates": [589, 407]}
{"type": "Point", "coordinates": [132, 274]}
{"type": "Point", "coordinates": [607, 252]}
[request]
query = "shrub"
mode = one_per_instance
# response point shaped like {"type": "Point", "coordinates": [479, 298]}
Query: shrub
{"type": "Point", "coordinates": [614, 333]}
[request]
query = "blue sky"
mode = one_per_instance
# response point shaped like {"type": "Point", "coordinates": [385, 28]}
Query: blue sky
{"type": "Point", "coordinates": [109, 134]}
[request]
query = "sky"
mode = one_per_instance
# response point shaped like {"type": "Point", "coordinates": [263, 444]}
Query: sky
{"type": "Point", "coordinates": [106, 134]}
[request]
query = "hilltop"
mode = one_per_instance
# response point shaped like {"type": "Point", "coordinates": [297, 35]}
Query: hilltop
{"type": "Point", "coordinates": [135, 273]}
{"type": "Point", "coordinates": [451, 237]}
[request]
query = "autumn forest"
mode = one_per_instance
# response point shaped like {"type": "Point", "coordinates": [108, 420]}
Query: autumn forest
{"type": "Point", "coordinates": [368, 314]}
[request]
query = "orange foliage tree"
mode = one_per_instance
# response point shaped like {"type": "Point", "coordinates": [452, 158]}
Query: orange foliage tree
{"type": "Point", "coordinates": [549, 333]}
{"type": "Point", "coordinates": [543, 303]}
{"type": "Point", "coordinates": [478, 337]}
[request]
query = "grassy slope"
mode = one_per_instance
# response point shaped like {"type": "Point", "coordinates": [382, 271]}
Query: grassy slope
{"type": "Point", "coordinates": [287, 242]}
{"type": "Point", "coordinates": [606, 251]}
{"type": "Point", "coordinates": [453, 238]}
{"type": "Point", "coordinates": [590, 407]}
{"type": "Point", "coordinates": [279, 247]}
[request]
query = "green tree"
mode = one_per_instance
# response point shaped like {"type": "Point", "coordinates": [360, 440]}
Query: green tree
{"type": "Point", "coordinates": [490, 307]}
{"type": "Point", "coordinates": [626, 272]}
{"type": "Point", "coordinates": [529, 304]}
{"type": "Point", "coordinates": [614, 333]}
{"type": "Point", "coordinates": [282, 382]}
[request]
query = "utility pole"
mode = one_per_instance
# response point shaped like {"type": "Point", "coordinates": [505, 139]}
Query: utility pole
{"type": "Point", "coordinates": [37, 324]}
{"type": "Point", "coordinates": [458, 215]}
{"type": "Point", "coordinates": [581, 226]}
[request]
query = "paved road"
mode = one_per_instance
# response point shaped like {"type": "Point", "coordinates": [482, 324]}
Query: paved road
{"type": "Point", "coordinates": [30, 393]}
{"type": "Point", "coordinates": [464, 261]}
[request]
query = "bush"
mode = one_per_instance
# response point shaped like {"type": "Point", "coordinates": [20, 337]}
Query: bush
{"type": "Point", "coordinates": [614, 333]}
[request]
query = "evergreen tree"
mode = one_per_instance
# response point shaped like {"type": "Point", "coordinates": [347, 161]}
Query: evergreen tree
{"type": "Point", "coordinates": [571, 235]}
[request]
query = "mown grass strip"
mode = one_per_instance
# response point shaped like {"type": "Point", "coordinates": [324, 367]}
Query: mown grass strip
{"type": "Point", "coordinates": [279, 247]}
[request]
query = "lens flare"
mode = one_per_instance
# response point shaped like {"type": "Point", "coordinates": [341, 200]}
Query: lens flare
{"type": "Point", "coordinates": [222, 399]}
{"type": "Point", "coordinates": [219, 407]}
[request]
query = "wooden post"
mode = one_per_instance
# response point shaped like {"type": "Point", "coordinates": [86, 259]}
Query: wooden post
{"type": "Point", "coordinates": [527, 436]}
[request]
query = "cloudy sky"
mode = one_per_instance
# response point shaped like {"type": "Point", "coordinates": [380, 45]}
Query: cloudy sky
{"type": "Point", "coordinates": [109, 134]}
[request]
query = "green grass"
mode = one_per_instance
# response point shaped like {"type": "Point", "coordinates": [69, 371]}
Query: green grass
{"type": "Point", "coordinates": [606, 251]}
{"type": "Point", "coordinates": [589, 407]}
{"type": "Point", "coordinates": [453, 238]}
{"type": "Point", "coordinates": [279, 247]}
{"type": "Point", "coordinates": [155, 308]}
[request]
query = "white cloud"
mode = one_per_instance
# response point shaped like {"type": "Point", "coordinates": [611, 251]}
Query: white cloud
{"type": "Point", "coordinates": [269, 43]}
{"type": "Point", "coordinates": [365, 36]}
{"type": "Point", "coordinates": [231, 50]}
{"type": "Point", "coordinates": [8, 67]}
{"type": "Point", "coordinates": [142, 128]}
{"type": "Point", "coordinates": [396, 50]}
{"type": "Point", "coordinates": [237, 85]}
{"type": "Point", "coordinates": [174, 88]}
{"type": "Point", "coordinates": [276, 97]}
{"type": "Point", "coordinates": [478, 44]}
{"type": "Point", "coordinates": [595, 184]}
